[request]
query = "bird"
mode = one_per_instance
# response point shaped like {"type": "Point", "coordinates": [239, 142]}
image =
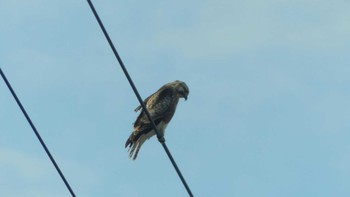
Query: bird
{"type": "Point", "coordinates": [161, 106]}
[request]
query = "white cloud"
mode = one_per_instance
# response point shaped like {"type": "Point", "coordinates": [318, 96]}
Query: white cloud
{"type": "Point", "coordinates": [37, 176]}
{"type": "Point", "coordinates": [23, 164]}
{"type": "Point", "coordinates": [230, 27]}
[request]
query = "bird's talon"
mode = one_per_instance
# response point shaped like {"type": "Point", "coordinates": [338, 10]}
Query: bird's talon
{"type": "Point", "coordinates": [161, 139]}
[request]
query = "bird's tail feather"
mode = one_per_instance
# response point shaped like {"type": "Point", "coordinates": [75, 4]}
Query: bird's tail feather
{"type": "Point", "coordinates": [128, 143]}
{"type": "Point", "coordinates": [132, 149]}
{"type": "Point", "coordinates": [135, 148]}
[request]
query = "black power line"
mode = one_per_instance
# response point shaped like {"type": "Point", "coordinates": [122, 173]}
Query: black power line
{"type": "Point", "coordinates": [160, 138]}
{"type": "Point", "coordinates": [36, 133]}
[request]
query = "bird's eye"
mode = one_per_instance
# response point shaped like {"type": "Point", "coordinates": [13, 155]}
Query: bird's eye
{"type": "Point", "coordinates": [182, 91]}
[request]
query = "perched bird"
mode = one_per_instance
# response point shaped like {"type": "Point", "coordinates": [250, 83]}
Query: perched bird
{"type": "Point", "coordinates": [161, 106]}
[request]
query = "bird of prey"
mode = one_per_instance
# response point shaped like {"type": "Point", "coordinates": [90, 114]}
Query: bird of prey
{"type": "Point", "coordinates": [161, 105]}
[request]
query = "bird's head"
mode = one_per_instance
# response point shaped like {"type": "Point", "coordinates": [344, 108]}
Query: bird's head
{"type": "Point", "coordinates": [181, 89]}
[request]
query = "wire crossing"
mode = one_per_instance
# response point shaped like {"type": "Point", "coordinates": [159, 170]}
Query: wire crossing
{"type": "Point", "coordinates": [36, 133]}
{"type": "Point", "coordinates": [160, 138]}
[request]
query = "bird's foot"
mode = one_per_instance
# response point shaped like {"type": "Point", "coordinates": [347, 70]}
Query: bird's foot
{"type": "Point", "coordinates": [161, 139]}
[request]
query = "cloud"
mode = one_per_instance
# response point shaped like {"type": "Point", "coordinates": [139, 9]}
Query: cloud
{"type": "Point", "coordinates": [37, 176]}
{"type": "Point", "coordinates": [23, 12]}
{"type": "Point", "coordinates": [20, 163]}
{"type": "Point", "coordinates": [229, 27]}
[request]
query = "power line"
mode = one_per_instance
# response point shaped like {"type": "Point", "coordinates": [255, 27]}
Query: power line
{"type": "Point", "coordinates": [160, 138]}
{"type": "Point", "coordinates": [36, 133]}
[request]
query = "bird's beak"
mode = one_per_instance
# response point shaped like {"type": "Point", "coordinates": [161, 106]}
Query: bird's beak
{"type": "Point", "coordinates": [185, 97]}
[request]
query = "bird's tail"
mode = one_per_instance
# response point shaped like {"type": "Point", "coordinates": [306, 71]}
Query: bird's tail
{"type": "Point", "coordinates": [128, 142]}
{"type": "Point", "coordinates": [134, 146]}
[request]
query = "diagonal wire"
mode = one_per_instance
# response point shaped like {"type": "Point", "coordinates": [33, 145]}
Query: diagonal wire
{"type": "Point", "coordinates": [160, 138]}
{"type": "Point", "coordinates": [36, 133]}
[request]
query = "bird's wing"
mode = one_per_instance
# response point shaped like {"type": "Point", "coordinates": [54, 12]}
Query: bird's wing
{"type": "Point", "coordinates": [144, 102]}
{"type": "Point", "coordinates": [159, 103]}
{"type": "Point", "coordinates": [165, 89]}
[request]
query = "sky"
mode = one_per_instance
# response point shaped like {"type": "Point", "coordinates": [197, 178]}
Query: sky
{"type": "Point", "coordinates": [267, 115]}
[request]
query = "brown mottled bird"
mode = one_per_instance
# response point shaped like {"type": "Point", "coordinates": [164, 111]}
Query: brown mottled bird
{"type": "Point", "coordinates": [161, 106]}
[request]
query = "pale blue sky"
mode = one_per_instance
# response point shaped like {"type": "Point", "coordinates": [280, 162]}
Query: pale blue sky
{"type": "Point", "coordinates": [267, 115]}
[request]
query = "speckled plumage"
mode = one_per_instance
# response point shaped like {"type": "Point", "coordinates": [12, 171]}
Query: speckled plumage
{"type": "Point", "coordinates": [161, 106]}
